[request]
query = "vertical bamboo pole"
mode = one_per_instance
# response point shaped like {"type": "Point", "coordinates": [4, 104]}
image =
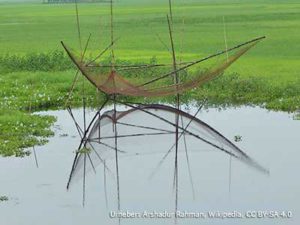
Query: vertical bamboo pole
{"type": "Point", "coordinates": [115, 106]}
{"type": "Point", "coordinates": [177, 99]}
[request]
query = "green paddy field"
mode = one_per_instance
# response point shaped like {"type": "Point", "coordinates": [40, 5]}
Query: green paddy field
{"type": "Point", "coordinates": [36, 75]}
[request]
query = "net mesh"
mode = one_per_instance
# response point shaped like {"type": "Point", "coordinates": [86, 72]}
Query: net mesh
{"type": "Point", "coordinates": [113, 82]}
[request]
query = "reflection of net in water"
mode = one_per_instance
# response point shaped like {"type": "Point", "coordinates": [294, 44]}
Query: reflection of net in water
{"type": "Point", "coordinates": [139, 128]}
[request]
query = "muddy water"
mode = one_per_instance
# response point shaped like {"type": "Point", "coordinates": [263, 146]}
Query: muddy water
{"type": "Point", "coordinates": [39, 197]}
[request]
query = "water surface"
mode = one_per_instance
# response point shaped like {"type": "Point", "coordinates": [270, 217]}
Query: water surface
{"type": "Point", "coordinates": [38, 196]}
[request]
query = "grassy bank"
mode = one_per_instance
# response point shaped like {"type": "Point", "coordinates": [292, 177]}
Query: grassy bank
{"type": "Point", "coordinates": [42, 81]}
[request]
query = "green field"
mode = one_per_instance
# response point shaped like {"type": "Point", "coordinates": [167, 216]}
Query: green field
{"type": "Point", "coordinates": [34, 72]}
{"type": "Point", "coordinates": [40, 28]}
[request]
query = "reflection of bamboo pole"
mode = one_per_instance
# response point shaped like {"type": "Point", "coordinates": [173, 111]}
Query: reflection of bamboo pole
{"type": "Point", "coordinates": [184, 137]}
{"type": "Point", "coordinates": [188, 162]}
{"type": "Point", "coordinates": [84, 141]}
{"type": "Point", "coordinates": [168, 152]}
{"type": "Point", "coordinates": [83, 183]}
{"type": "Point", "coordinates": [30, 109]}
{"type": "Point", "coordinates": [105, 185]}
{"type": "Point", "coordinates": [116, 153]}
{"type": "Point", "coordinates": [35, 157]}
{"type": "Point", "coordinates": [230, 171]}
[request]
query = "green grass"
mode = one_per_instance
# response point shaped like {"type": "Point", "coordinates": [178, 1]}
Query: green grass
{"type": "Point", "coordinates": [36, 75]}
{"type": "Point", "coordinates": [40, 28]}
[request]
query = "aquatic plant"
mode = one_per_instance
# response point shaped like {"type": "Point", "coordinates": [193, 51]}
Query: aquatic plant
{"type": "Point", "coordinates": [3, 198]}
{"type": "Point", "coordinates": [20, 130]}
{"type": "Point", "coordinates": [237, 138]}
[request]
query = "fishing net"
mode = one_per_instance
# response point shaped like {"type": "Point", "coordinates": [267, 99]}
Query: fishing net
{"type": "Point", "coordinates": [113, 82]}
{"type": "Point", "coordinates": [150, 129]}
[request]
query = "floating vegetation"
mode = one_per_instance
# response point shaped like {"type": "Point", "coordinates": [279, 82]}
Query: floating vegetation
{"type": "Point", "coordinates": [20, 130]}
{"type": "Point", "coordinates": [237, 138]}
{"type": "Point", "coordinates": [84, 150]}
{"type": "Point", "coordinates": [3, 199]}
{"type": "Point", "coordinates": [296, 116]}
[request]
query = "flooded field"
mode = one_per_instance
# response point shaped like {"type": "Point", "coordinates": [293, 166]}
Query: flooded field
{"type": "Point", "coordinates": [39, 196]}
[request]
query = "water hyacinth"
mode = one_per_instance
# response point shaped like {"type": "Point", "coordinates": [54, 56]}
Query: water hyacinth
{"type": "Point", "coordinates": [20, 130]}
{"type": "Point", "coordinates": [3, 198]}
